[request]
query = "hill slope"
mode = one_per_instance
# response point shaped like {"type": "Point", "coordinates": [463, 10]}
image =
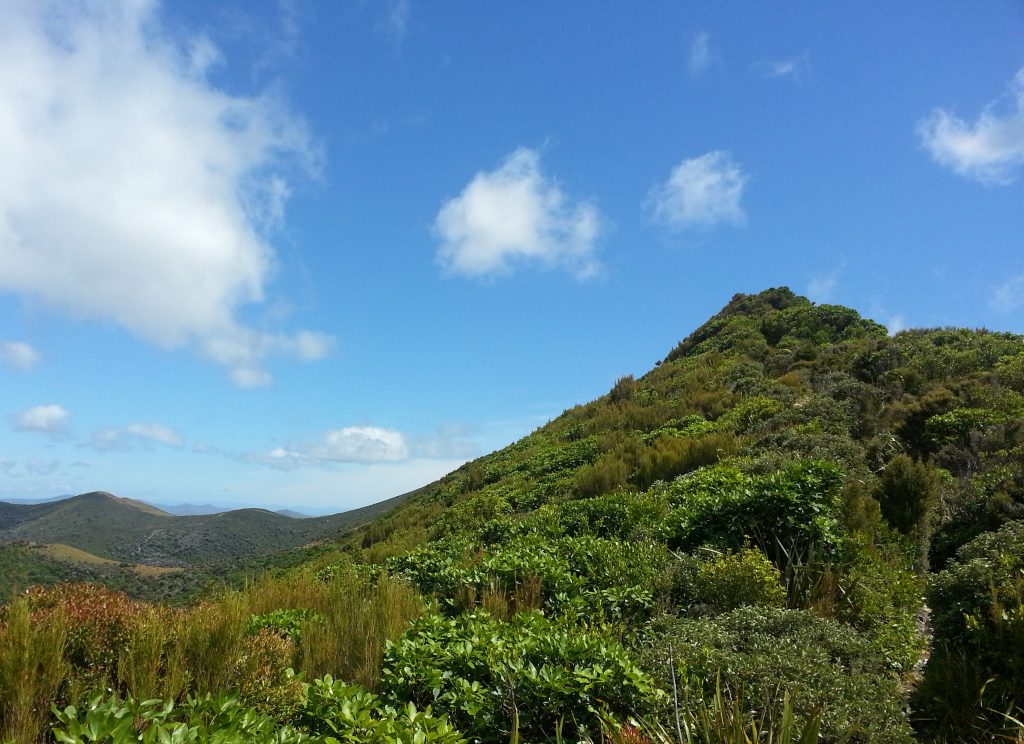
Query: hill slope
{"type": "Point", "coordinates": [750, 531]}
{"type": "Point", "coordinates": [130, 531]}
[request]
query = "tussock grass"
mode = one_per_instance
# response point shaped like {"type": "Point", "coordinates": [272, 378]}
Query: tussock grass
{"type": "Point", "coordinates": [32, 668]}
{"type": "Point", "coordinates": [356, 620]}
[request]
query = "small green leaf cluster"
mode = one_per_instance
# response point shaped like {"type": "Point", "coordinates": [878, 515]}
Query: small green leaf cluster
{"type": "Point", "coordinates": [223, 720]}
{"type": "Point", "coordinates": [346, 713]}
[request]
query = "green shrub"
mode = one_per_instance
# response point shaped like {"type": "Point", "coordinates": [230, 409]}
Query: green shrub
{"type": "Point", "coordinates": [978, 621]}
{"type": "Point", "coordinates": [349, 713]}
{"type": "Point", "coordinates": [528, 674]}
{"type": "Point", "coordinates": [783, 513]}
{"type": "Point", "coordinates": [763, 657]}
{"type": "Point", "coordinates": [724, 582]}
{"type": "Point", "coordinates": [908, 495]}
{"type": "Point", "coordinates": [110, 720]}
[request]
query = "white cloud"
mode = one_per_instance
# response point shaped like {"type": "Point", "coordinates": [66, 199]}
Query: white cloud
{"type": "Point", "coordinates": [48, 419]}
{"type": "Point", "coordinates": [822, 287]}
{"type": "Point", "coordinates": [989, 150]}
{"type": "Point", "coordinates": [155, 433]}
{"type": "Point", "coordinates": [369, 445]}
{"type": "Point", "coordinates": [513, 216]}
{"type": "Point", "coordinates": [794, 67]}
{"type": "Point", "coordinates": [362, 444]}
{"type": "Point", "coordinates": [700, 193]}
{"type": "Point", "coordinates": [133, 190]}
{"type": "Point", "coordinates": [700, 54]}
{"type": "Point", "coordinates": [18, 355]}
{"type": "Point", "coordinates": [352, 444]}
{"type": "Point", "coordinates": [145, 434]}
{"type": "Point", "coordinates": [1009, 295]}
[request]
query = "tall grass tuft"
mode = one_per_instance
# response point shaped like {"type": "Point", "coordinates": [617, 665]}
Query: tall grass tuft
{"type": "Point", "coordinates": [356, 618]}
{"type": "Point", "coordinates": [141, 661]}
{"type": "Point", "coordinates": [32, 667]}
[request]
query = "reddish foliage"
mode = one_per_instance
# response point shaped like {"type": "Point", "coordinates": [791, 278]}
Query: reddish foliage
{"type": "Point", "coordinates": [99, 621]}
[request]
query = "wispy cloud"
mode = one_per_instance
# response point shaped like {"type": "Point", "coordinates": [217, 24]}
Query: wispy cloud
{"type": "Point", "coordinates": [822, 287]}
{"type": "Point", "coordinates": [133, 435]}
{"type": "Point", "coordinates": [50, 419]}
{"type": "Point", "coordinates": [18, 355]}
{"type": "Point", "coordinates": [699, 58]}
{"type": "Point", "coordinates": [700, 193]}
{"type": "Point", "coordinates": [791, 67]}
{"type": "Point", "coordinates": [133, 189]}
{"type": "Point", "coordinates": [1009, 295]}
{"type": "Point", "coordinates": [515, 216]}
{"type": "Point", "coordinates": [396, 20]}
{"type": "Point", "coordinates": [989, 150]}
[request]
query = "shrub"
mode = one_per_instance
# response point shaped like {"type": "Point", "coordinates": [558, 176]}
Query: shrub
{"type": "Point", "coordinates": [724, 582]}
{"type": "Point", "coordinates": [203, 719]}
{"type": "Point", "coordinates": [349, 713]}
{"type": "Point", "coordinates": [978, 620]}
{"type": "Point", "coordinates": [99, 623]}
{"type": "Point", "coordinates": [783, 513]}
{"type": "Point", "coordinates": [908, 494]}
{"type": "Point", "coordinates": [528, 674]}
{"type": "Point", "coordinates": [763, 657]}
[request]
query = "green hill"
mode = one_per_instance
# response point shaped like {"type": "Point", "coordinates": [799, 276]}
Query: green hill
{"type": "Point", "coordinates": [130, 531]}
{"type": "Point", "coordinates": [794, 528]}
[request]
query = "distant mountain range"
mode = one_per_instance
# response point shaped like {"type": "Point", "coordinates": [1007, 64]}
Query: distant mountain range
{"type": "Point", "coordinates": [131, 531]}
{"type": "Point", "coordinates": [183, 509]}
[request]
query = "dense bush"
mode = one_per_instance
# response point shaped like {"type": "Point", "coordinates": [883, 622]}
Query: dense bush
{"type": "Point", "coordinates": [528, 674]}
{"type": "Point", "coordinates": [762, 656]}
{"type": "Point", "coordinates": [783, 513]}
{"type": "Point", "coordinates": [978, 620]}
{"type": "Point", "coordinates": [723, 582]}
{"type": "Point", "coordinates": [349, 713]}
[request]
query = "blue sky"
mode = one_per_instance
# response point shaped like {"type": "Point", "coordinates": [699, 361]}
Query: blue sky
{"type": "Point", "coordinates": [315, 254]}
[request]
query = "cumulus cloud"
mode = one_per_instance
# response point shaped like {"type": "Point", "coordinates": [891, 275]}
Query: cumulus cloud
{"type": "Point", "coordinates": [48, 419]}
{"type": "Point", "coordinates": [700, 193]}
{"type": "Point", "coordinates": [134, 190]}
{"type": "Point", "coordinates": [370, 445]}
{"type": "Point", "coordinates": [352, 444]}
{"type": "Point", "coordinates": [18, 355]}
{"type": "Point", "coordinates": [146, 434]}
{"type": "Point", "coordinates": [1009, 295]}
{"type": "Point", "coordinates": [700, 54]}
{"type": "Point", "coordinates": [514, 216]}
{"type": "Point", "coordinates": [990, 149]}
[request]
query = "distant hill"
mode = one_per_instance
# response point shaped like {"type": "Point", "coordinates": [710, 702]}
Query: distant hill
{"type": "Point", "coordinates": [128, 531]}
{"type": "Point", "coordinates": [291, 513]}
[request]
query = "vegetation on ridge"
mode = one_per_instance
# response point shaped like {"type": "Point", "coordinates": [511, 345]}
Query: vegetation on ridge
{"type": "Point", "coordinates": [743, 545]}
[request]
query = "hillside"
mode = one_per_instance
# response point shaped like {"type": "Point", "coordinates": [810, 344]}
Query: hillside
{"type": "Point", "coordinates": [129, 531]}
{"type": "Point", "coordinates": [795, 527]}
